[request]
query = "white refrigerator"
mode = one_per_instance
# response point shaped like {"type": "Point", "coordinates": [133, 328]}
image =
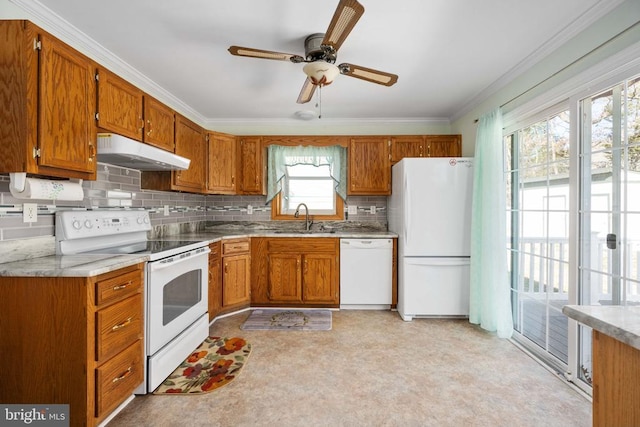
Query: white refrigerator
{"type": "Point", "coordinates": [430, 210]}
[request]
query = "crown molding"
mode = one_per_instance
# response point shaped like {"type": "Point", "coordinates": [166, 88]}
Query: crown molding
{"type": "Point", "coordinates": [65, 31]}
{"type": "Point", "coordinates": [556, 41]}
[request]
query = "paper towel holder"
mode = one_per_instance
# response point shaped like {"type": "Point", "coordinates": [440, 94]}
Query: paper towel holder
{"type": "Point", "coordinates": [18, 180]}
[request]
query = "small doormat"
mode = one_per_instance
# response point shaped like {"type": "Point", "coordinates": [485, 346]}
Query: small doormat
{"type": "Point", "coordinates": [216, 362]}
{"type": "Point", "coordinates": [289, 320]}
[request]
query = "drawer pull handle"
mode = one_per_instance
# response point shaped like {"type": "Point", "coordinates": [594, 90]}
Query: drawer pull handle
{"type": "Point", "coordinates": [124, 375]}
{"type": "Point", "coordinates": [121, 325]}
{"type": "Point", "coordinates": [119, 287]}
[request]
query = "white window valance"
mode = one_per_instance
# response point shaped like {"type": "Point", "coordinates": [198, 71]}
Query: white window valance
{"type": "Point", "coordinates": [279, 157]}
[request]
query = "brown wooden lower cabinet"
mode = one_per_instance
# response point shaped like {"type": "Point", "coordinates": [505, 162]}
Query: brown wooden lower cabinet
{"type": "Point", "coordinates": [295, 271]}
{"type": "Point", "coordinates": [215, 280]}
{"type": "Point", "coordinates": [616, 382]}
{"type": "Point", "coordinates": [72, 340]}
{"type": "Point", "coordinates": [236, 274]}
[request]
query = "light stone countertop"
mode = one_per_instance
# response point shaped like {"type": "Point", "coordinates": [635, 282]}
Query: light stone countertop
{"type": "Point", "coordinates": [214, 236]}
{"type": "Point", "coordinates": [619, 322]}
{"type": "Point", "coordinates": [93, 265]}
{"type": "Point", "coordinates": [69, 265]}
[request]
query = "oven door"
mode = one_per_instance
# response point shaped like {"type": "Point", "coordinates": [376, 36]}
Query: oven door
{"type": "Point", "coordinates": [176, 294]}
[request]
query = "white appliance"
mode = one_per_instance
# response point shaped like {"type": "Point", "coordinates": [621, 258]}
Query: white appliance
{"type": "Point", "coordinates": [430, 210]}
{"type": "Point", "coordinates": [366, 267]}
{"type": "Point", "coordinates": [176, 281]}
{"type": "Point", "coordinates": [122, 151]}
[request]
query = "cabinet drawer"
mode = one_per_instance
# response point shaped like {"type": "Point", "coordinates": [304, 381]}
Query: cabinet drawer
{"type": "Point", "coordinates": [299, 245]}
{"type": "Point", "coordinates": [116, 379]}
{"type": "Point", "coordinates": [235, 247]}
{"type": "Point", "coordinates": [118, 326]}
{"type": "Point", "coordinates": [118, 287]}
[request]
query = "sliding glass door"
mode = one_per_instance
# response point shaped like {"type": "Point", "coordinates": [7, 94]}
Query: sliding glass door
{"type": "Point", "coordinates": [609, 214]}
{"type": "Point", "coordinates": [538, 158]}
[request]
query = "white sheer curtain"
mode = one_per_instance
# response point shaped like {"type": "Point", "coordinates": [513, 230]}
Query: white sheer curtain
{"type": "Point", "coordinates": [490, 305]}
{"type": "Point", "coordinates": [279, 157]}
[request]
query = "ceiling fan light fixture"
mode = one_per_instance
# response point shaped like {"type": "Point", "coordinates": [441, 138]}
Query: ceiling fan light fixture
{"type": "Point", "coordinates": [321, 73]}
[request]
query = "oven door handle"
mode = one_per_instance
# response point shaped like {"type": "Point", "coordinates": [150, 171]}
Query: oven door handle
{"type": "Point", "coordinates": [177, 259]}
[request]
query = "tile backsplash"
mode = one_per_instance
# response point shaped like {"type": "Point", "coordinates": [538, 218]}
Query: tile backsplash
{"type": "Point", "coordinates": [119, 188]}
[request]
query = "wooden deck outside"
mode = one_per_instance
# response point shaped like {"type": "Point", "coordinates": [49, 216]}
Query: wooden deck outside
{"type": "Point", "coordinates": [554, 339]}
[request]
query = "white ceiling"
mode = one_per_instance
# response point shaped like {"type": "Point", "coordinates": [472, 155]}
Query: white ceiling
{"type": "Point", "coordinates": [446, 53]}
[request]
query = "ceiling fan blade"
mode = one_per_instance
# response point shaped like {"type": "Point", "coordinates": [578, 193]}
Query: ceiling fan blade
{"type": "Point", "coordinates": [344, 19]}
{"type": "Point", "coordinates": [368, 74]}
{"type": "Point", "coordinates": [263, 54]}
{"type": "Point", "coordinates": [308, 88]}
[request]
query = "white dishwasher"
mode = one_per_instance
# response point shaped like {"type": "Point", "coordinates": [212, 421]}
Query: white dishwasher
{"type": "Point", "coordinates": [366, 267]}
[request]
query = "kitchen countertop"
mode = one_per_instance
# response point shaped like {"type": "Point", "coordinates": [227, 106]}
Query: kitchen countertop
{"type": "Point", "coordinates": [219, 234]}
{"type": "Point", "coordinates": [69, 265]}
{"type": "Point", "coordinates": [619, 322]}
{"type": "Point", "coordinates": [93, 265]}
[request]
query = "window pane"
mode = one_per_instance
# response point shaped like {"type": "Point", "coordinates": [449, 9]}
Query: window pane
{"type": "Point", "coordinates": [311, 185]}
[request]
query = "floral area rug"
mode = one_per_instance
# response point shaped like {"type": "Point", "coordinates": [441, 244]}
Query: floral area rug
{"type": "Point", "coordinates": [290, 320]}
{"type": "Point", "coordinates": [216, 362]}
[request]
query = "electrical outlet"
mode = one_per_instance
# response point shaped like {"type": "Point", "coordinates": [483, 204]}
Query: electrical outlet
{"type": "Point", "coordinates": [166, 210]}
{"type": "Point", "coordinates": [29, 212]}
{"type": "Point", "coordinates": [249, 210]}
{"type": "Point", "coordinates": [372, 210]}
{"type": "Point", "coordinates": [352, 210]}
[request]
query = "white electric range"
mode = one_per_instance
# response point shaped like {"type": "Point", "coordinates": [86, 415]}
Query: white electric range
{"type": "Point", "coordinates": [176, 281]}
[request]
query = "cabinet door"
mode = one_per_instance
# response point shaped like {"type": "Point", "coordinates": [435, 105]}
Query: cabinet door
{"type": "Point", "coordinates": [251, 161]}
{"type": "Point", "coordinates": [119, 106]}
{"type": "Point", "coordinates": [406, 146]}
{"type": "Point", "coordinates": [215, 281]}
{"type": "Point", "coordinates": [66, 128]}
{"type": "Point", "coordinates": [222, 164]}
{"type": "Point", "coordinates": [236, 280]}
{"type": "Point", "coordinates": [369, 167]}
{"type": "Point", "coordinates": [443, 145]}
{"type": "Point", "coordinates": [319, 278]}
{"type": "Point", "coordinates": [159, 123]}
{"type": "Point", "coordinates": [190, 143]}
{"type": "Point", "coordinates": [285, 280]}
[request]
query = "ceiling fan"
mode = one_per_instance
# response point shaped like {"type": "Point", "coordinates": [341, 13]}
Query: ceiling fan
{"type": "Point", "coordinates": [321, 51]}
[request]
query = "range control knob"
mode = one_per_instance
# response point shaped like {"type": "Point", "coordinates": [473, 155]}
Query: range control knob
{"type": "Point", "coordinates": [140, 220]}
{"type": "Point", "coordinates": [146, 219]}
{"type": "Point", "coordinates": [76, 224]}
{"type": "Point", "coordinates": [88, 224]}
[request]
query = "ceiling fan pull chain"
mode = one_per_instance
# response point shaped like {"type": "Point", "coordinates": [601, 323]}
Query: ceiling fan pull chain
{"type": "Point", "coordinates": [319, 101]}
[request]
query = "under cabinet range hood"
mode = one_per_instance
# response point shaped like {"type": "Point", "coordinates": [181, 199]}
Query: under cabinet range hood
{"type": "Point", "coordinates": [122, 151]}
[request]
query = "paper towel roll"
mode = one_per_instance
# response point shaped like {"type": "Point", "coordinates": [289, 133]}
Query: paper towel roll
{"type": "Point", "coordinates": [36, 188]}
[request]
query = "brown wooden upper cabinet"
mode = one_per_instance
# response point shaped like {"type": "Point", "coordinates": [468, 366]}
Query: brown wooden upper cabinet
{"type": "Point", "coordinates": [252, 162]}
{"type": "Point", "coordinates": [425, 146]}
{"type": "Point", "coordinates": [47, 105]}
{"type": "Point", "coordinates": [190, 143]}
{"type": "Point", "coordinates": [222, 164]}
{"type": "Point", "coordinates": [159, 124]}
{"type": "Point", "coordinates": [119, 105]}
{"type": "Point", "coordinates": [443, 145]}
{"type": "Point", "coordinates": [369, 168]}
{"type": "Point", "coordinates": [406, 146]}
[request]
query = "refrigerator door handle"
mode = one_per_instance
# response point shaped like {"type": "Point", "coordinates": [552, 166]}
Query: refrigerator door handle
{"type": "Point", "coordinates": [407, 216]}
{"type": "Point", "coordinates": [439, 261]}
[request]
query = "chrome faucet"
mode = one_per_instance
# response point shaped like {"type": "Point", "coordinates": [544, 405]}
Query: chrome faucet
{"type": "Point", "coordinates": [307, 223]}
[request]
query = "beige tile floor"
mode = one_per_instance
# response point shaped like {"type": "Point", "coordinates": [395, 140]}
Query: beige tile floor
{"type": "Point", "coordinates": [373, 369]}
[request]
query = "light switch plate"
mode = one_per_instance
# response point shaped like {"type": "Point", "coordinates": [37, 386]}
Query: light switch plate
{"type": "Point", "coordinates": [352, 210]}
{"type": "Point", "coordinates": [372, 210]}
